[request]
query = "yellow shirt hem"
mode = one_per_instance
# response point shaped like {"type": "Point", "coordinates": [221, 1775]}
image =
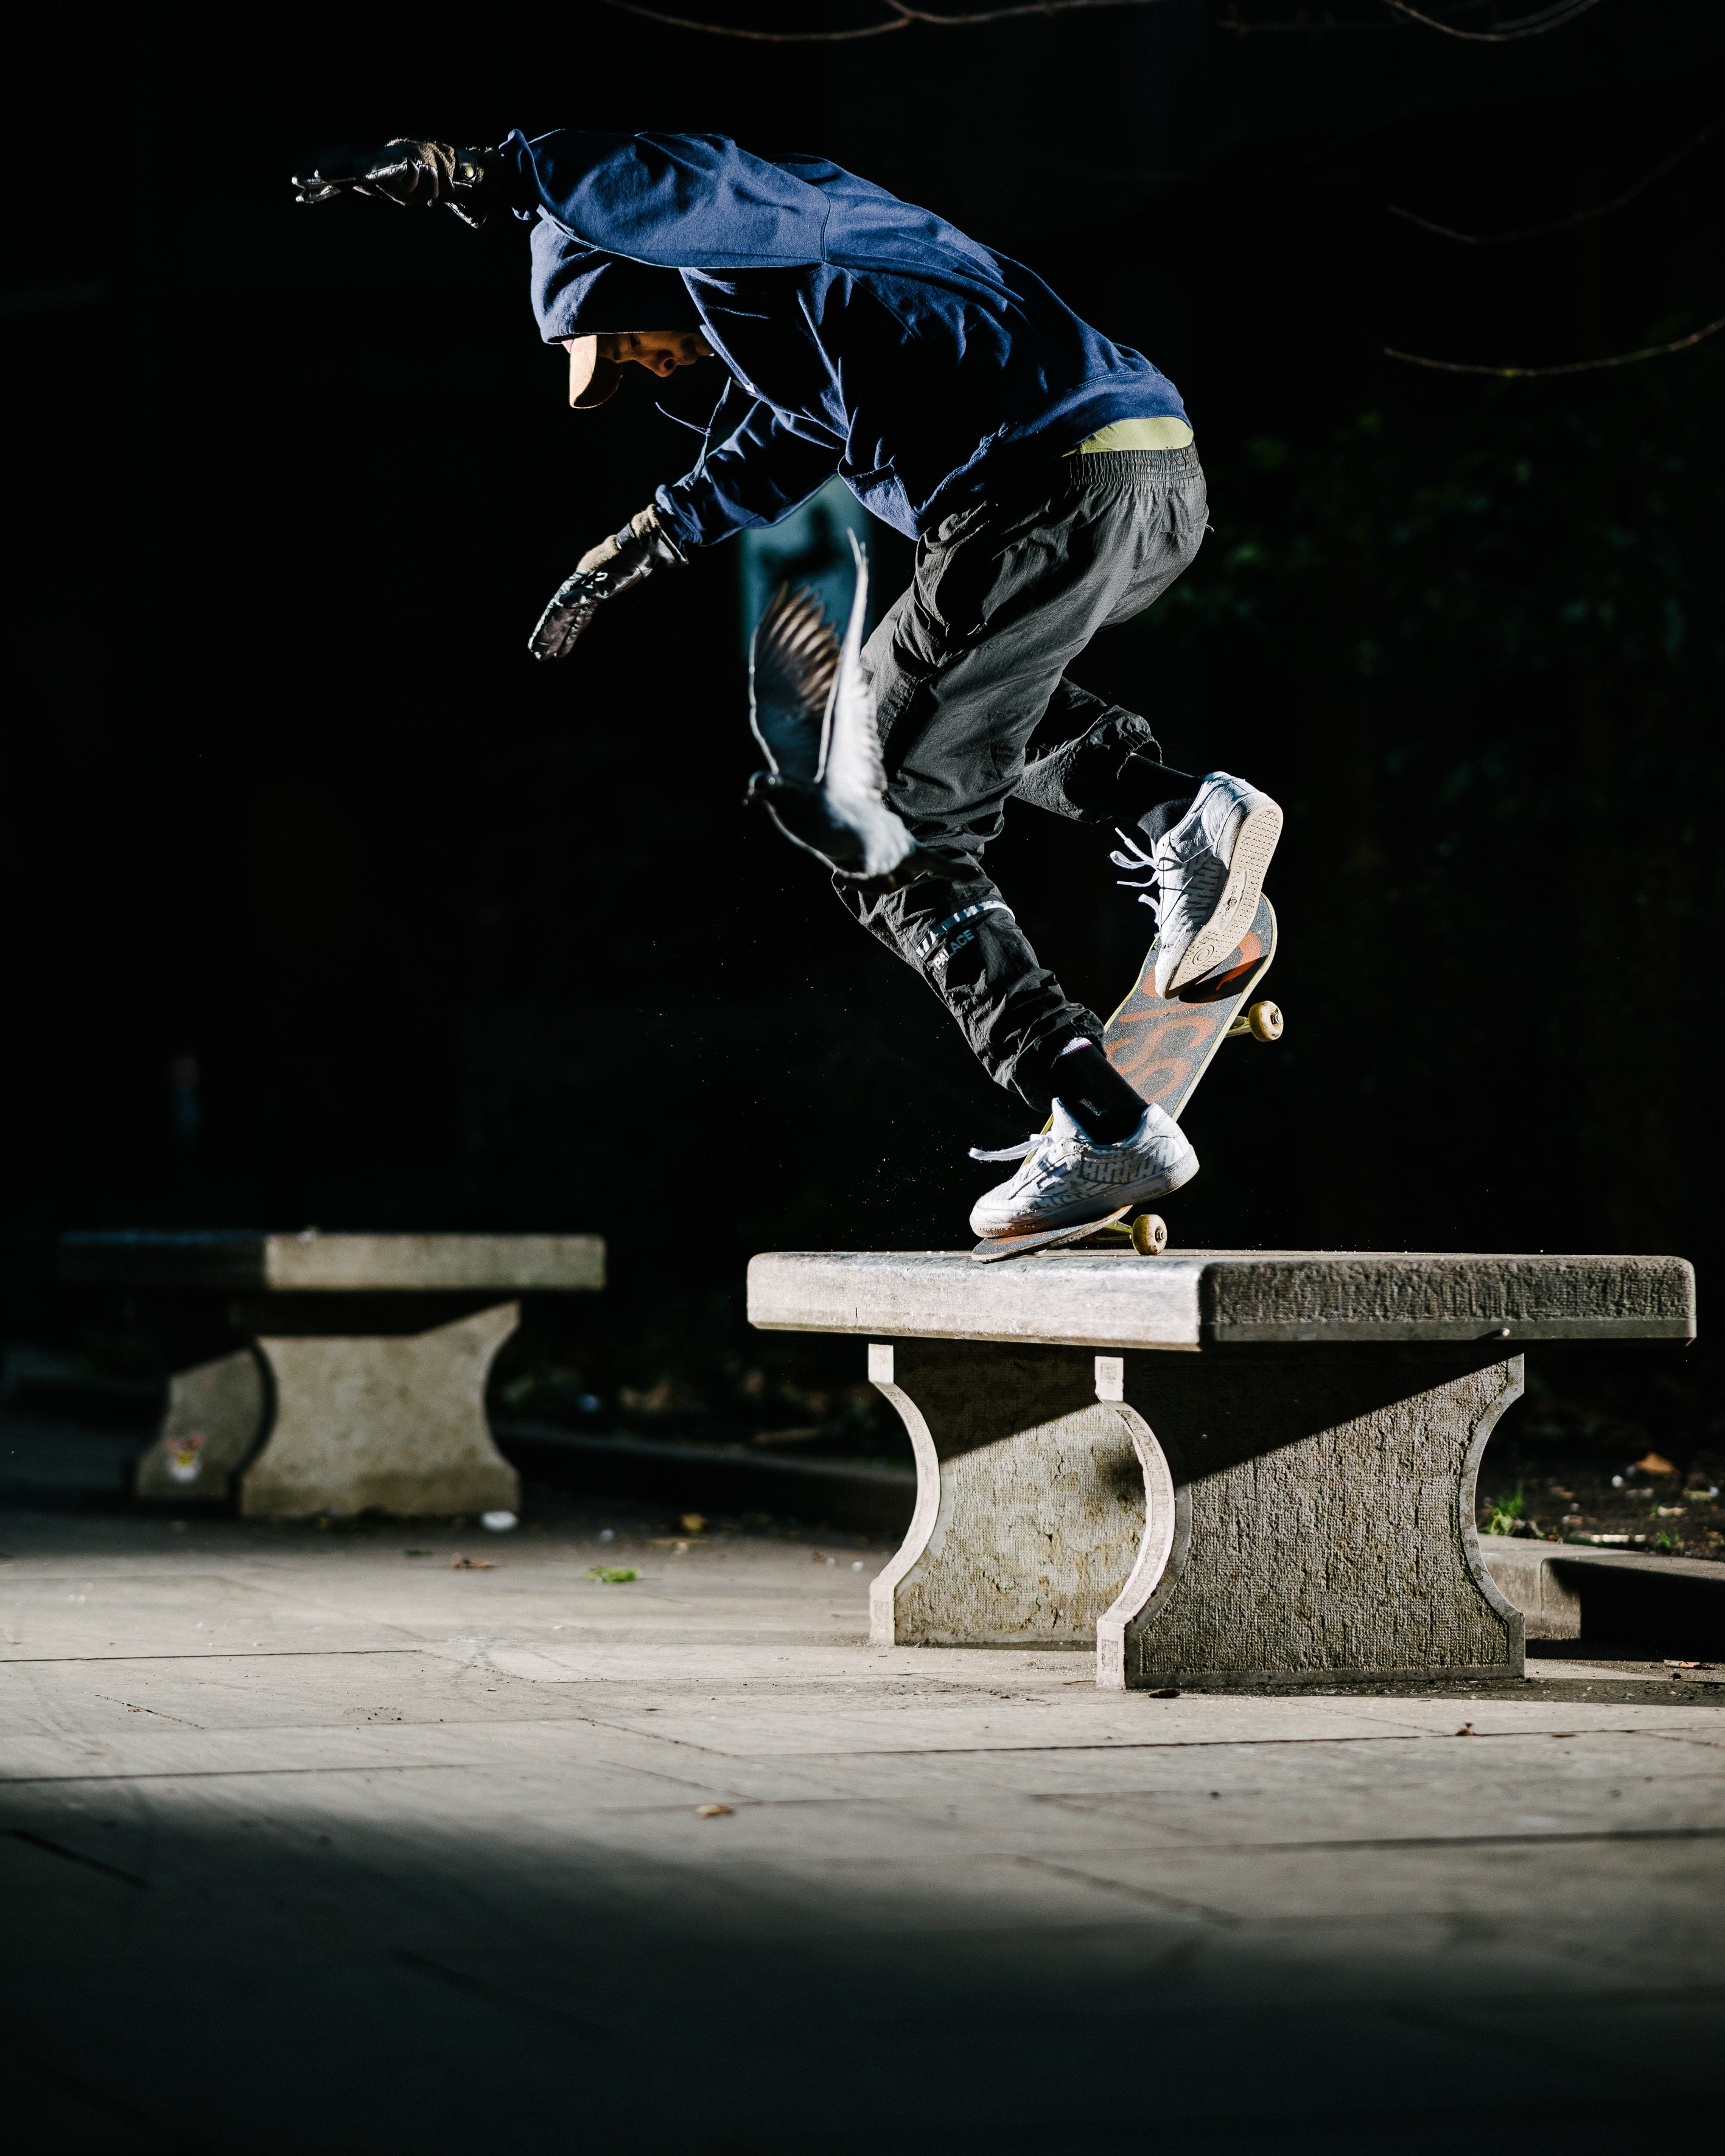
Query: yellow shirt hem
{"type": "Point", "coordinates": [1164, 434]}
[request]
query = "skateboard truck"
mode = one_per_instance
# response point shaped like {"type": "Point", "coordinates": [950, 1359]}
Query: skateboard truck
{"type": "Point", "coordinates": [1263, 1022]}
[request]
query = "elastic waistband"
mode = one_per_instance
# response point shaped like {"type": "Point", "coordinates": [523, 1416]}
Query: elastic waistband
{"type": "Point", "coordinates": [1157, 466]}
{"type": "Point", "coordinates": [1010, 494]}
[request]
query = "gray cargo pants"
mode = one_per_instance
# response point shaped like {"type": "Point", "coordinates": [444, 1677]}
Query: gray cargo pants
{"type": "Point", "coordinates": [966, 665]}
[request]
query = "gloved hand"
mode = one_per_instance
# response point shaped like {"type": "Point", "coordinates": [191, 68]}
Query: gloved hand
{"type": "Point", "coordinates": [407, 172]}
{"type": "Point", "coordinates": [601, 573]}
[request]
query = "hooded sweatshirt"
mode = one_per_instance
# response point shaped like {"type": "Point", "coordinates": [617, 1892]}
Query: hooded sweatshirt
{"type": "Point", "coordinates": [860, 334]}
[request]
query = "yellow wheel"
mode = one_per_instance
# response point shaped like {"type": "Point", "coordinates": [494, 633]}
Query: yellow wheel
{"type": "Point", "coordinates": [1263, 1022]}
{"type": "Point", "coordinates": [1149, 1235]}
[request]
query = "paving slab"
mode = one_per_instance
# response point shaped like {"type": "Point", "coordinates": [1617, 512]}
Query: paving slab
{"type": "Point", "coordinates": [443, 1832]}
{"type": "Point", "coordinates": [66, 1613]}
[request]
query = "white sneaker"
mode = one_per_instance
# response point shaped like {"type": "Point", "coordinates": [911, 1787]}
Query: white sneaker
{"type": "Point", "coordinates": [1208, 873]}
{"type": "Point", "coordinates": [1066, 1178]}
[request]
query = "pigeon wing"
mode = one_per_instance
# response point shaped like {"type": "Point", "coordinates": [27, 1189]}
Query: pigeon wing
{"type": "Point", "coordinates": [851, 772]}
{"type": "Point", "coordinates": [853, 775]}
{"type": "Point", "coordinates": [792, 663]}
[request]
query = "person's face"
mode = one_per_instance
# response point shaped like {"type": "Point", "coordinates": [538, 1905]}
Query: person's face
{"type": "Point", "coordinates": [660, 352]}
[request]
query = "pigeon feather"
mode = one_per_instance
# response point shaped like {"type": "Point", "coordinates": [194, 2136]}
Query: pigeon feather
{"type": "Point", "coordinates": [812, 707]}
{"type": "Point", "coordinates": [851, 771]}
{"type": "Point", "coordinates": [793, 663]}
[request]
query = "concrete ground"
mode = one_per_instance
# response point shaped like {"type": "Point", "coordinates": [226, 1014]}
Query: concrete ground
{"type": "Point", "coordinates": [309, 1842]}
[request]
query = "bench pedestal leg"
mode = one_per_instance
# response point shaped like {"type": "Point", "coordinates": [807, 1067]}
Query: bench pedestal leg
{"type": "Point", "coordinates": [1030, 1505]}
{"type": "Point", "coordinates": [396, 1422]}
{"type": "Point", "coordinates": [215, 1416]}
{"type": "Point", "coordinates": [1268, 1515]}
{"type": "Point", "coordinates": [1310, 1517]}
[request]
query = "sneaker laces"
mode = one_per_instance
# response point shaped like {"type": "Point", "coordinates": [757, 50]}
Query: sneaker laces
{"type": "Point", "coordinates": [1138, 861]}
{"type": "Point", "coordinates": [1021, 1151]}
{"type": "Point", "coordinates": [1052, 1140]}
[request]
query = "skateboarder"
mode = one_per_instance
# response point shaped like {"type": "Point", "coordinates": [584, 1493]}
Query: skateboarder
{"type": "Point", "coordinates": [1049, 480]}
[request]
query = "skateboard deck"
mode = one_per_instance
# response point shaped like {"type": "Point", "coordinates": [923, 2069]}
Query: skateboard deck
{"type": "Point", "coordinates": [1162, 1046]}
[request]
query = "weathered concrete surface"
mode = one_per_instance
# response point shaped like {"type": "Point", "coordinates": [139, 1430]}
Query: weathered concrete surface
{"type": "Point", "coordinates": [312, 1262]}
{"type": "Point", "coordinates": [1550, 1607]}
{"type": "Point", "coordinates": [306, 1844]}
{"type": "Point", "coordinates": [215, 1420]}
{"type": "Point", "coordinates": [397, 1422]}
{"type": "Point", "coordinates": [1030, 1504]}
{"type": "Point", "coordinates": [1270, 1516]}
{"type": "Point", "coordinates": [1308, 1475]}
{"type": "Point", "coordinates": [1622, 1596]}
{"type": "Point", "coordinates": [1310, 1515]}
{"type": "Point", "coordinates": [1192, 1299]}
{"type": "Point", "coordinates": [378, 1372]}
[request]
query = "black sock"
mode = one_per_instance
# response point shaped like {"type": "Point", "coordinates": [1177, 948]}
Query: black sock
{"type": "Point", "coordinates": [1095, 1096]}
{"type": "Point", "coordinates": [1161, 818]}
{"type": "Point", "coordinates": [1154, 796]}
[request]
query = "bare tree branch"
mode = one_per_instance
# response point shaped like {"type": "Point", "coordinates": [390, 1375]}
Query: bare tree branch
{"type": "Point", "coordinates": [1302, 26]}
{"type": "Point", "coordinates": [1005, 14]}
{"type": "Point", "coordinates": [1574, 366]}
{"type": "Point", "coordinates": [1559, 223]}
{"type": "Point", "coordinates": [1507, 34]}
{"type": "Point", "coordinates": [761, 37]}
{"type": "Point", "coordinates": [903, 16]}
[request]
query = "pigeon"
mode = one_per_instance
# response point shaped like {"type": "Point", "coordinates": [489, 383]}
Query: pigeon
{"type": "Point", "coordinates": [813, 712]}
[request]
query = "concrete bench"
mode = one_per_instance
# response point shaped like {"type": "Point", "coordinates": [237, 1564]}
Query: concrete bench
{"type": "Point", "coordinates": [1620, 1597]}
{"type": "Point", "coordinates": [1224, 1467]}
{"type": "Point", "coordinates": [364, 1384]}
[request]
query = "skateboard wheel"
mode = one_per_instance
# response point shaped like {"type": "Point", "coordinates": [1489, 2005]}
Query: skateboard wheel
{"type": "Point", "coordinates": [1264, 1021]}
{"type": "Point", "coordinates": [1149, 1235]}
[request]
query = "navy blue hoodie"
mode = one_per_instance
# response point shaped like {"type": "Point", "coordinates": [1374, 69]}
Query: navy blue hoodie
{"type": "Point", "coordinates": [862, 335]}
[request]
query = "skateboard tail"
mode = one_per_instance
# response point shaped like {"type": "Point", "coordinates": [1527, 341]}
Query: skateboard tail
{"type": "Point", "coordinates": [1045, 1239]}
{"type": "Point", "coordinates": [1242, 894]}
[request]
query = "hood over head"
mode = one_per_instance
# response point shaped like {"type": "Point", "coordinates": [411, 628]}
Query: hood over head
{"type": "Point", "coordinates": [581, 293]}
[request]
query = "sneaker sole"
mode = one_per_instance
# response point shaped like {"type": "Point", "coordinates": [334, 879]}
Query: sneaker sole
{"type": "Point", "coordinates": [1163, 1187]}
{"type": "Point", "coordinates": [1221, 933]}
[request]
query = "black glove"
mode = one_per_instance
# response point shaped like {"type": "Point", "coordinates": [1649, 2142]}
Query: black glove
{"type": "Point", "coordinates": [604, 570]}
{"type": "Point", "coordinates": [403, 172]}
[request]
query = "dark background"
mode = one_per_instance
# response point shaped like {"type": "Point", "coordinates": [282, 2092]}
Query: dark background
{"type": "Point", "coordinates": [324, 904]}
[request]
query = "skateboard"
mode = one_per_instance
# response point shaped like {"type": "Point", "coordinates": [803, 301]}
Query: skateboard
{"type": "Point", "coordinates": [1162, 1046]}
